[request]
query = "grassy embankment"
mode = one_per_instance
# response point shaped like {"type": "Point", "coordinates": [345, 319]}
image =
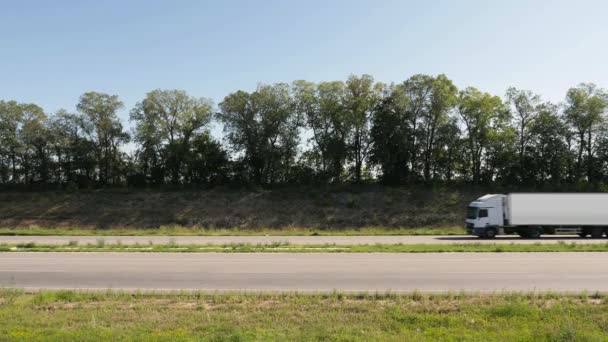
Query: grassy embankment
{"type": "Point", "coordinates": [101, 246]}
{"type": "Point", "coordinates": [341, 210]}
{"type": "Point", "coordinates": [194, 231]}
{"type": "Point", "coordinates": [82, 316]}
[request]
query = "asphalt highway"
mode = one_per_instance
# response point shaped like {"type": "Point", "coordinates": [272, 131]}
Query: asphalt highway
{"type": "Point", "coordinates": [403, 272]}
{"type": "Point", "coordinates": [296, 240]}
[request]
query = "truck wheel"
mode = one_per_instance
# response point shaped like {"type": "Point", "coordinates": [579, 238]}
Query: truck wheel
{"type": "Point", "coordinates": [583, 234]}
{"type": "Point", "coordinates": [597, 233]}
{"type": "Point", "coordinates": [535, 233]}
{"type": "Point", "coordinates": [523, 235]}
{"type": "Point", "coordinates": [490, 233]}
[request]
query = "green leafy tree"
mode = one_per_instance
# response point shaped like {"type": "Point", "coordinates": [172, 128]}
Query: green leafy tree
{"type": "Point", "coordinates": [362, 96]}
{"type": "Point", "coordinates": [322, 107]}
{"type": "Point", "coordinates": [549, 153]}
{"type": "Point", "coordinates": [419, 130]}
{"type": "Point", "coordinates": [262, 129]}
{"type": "Point", "coordinates": [525, 105]}
{"type": "Point", "coordinates": [34, 137]}
{"type": "Point", "coordinates": [23, 138]}
{"type": "Point", "coordinates": [440, 102]}
{"type": "Point", "coordinates": [102, 126]}
{"type": "Point", "coordinates": [447, 153]}
{"type": "Point", "coordinates": [73, 154]}
{"type": "Point", "coordinates": [390, 133]}
{"type": "Point", "coordinates": [585, 109]}
{"type": "Point", "coordinates": [407, 123]}
{"type": "Point", "coordinates": [500, 157]}
{"type": "Point", "coordinates": [482, 115]}
{"type": "Point", "coordinates": [207, 162]}
{"type": "Point", "coordinates": [11, 117]}
{"type": "Point", "coordinates": [166, 123]}
{"type": "Point", "coordinates": [417, 90]}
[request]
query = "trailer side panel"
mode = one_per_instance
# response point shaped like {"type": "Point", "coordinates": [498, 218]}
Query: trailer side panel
{"type": "Point", "coordinates": [558, 209]}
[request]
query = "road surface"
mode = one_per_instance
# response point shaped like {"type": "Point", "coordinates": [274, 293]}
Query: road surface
{"type": "Point", "coordinates": [433, 272]}
{"type": "Point", "coordinates": [295, 240]}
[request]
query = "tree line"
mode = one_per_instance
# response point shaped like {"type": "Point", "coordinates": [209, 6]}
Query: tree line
{"type": "Point", "coordinates": [422, 130]}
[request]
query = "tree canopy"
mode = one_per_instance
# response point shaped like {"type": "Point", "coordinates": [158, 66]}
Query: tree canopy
{"type": "Point", "coordinates": [422, 130]}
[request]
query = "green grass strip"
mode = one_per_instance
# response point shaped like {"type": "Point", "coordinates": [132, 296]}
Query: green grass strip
{"type": "Point", "coordinates": [101, 246]}
{"type": "Point", "coordinates": [112, 316]}
{"type": "Point", "coordinates": [197, 231]}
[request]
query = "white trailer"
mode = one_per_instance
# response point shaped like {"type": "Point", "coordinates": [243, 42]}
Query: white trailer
{"type": "Point", "coordinates": [532, 214]}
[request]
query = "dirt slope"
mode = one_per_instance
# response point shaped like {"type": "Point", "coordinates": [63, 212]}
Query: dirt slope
{"type": "Point", "coordinates": [354, 207]}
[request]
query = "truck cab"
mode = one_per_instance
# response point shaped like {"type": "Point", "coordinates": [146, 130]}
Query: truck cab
{"type": "Point", "coordinates": [486, 216]}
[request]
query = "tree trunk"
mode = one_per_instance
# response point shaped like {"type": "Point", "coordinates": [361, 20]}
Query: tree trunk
{"type": "Point", "coordinates": [448, 176]}
{"type": "Point", "coordinates": [14, 162]}
{"type": "Point", "coordinates": [590, 170]}
{"type": "Point", "coordinates": [580, 155]}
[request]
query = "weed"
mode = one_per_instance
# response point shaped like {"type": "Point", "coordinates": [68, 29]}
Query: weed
{"type": "Point", "coordinates": [223, 212]}
{"type": "Point", "coordinates": [283, 246]}
{"type": "Point", "coordinates": [68, 315]}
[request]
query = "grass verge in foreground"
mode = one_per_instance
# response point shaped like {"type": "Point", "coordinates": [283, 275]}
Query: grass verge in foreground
{"type": "Point", "coordinates": [82, 316]}
{"type": "Point", "coordinates": [101, 246]}
{"type": "Point", "coordinates": [194, 231]}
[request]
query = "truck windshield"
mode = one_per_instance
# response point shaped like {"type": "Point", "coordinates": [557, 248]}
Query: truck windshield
{"type": "Point", "coordinates": [472, 212]}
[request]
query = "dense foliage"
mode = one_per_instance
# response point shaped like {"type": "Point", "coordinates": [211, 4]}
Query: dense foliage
{"type": "Point", "coordinates": [423, 130]}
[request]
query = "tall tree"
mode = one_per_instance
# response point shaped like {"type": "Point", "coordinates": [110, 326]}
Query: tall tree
{"type": "Point", "coordinates": [441, 100]}
{"type": "Point", "coordinates": [447, 152]}
{"type": "Point", "coordinates": [206, 162]}
{"type": "Point", "coordinates": [262, 127]}
{"type": "Point", "coordinates": [482, 115]}
{"type": "Point", "coordinates": [412, 115]}
{"type": "Point", "coordinates": [11, 117]}
{"type": "Point", "coordinates": [500, 157]}
{"type": "Point", "coordinates": [585, 109]}
{"type": "Point", "coordinates": [34, 137]}
{"type": "Point", "coordinates": [322, 107]}
{"type": "Point", "coordinates": [525, 105]}
{"type": "Point", "coordinates": [64, 137]}
{"type": "Point", "coordinates": [417, 90]}
{"type": "Point", "coordinates": [22, 142]}
{"type": "Point", "coordinates": [549, 150]}
{"type": "Point", "coordinates": [601, 164]}
{"type": "Point", "coordinates": [168, 120]}
{"type": "Point", "coordinates": [362, 96]}
{"type": "Point", "coordinates": [390, 134]}
{"type": "Point", "coordinates": [101, 124]}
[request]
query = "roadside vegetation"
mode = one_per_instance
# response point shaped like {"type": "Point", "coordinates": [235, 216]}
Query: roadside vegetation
{"type": "Point", "coordinates": [92, 316]}
{"type": "Point", "coordinates": [283, 247]}
{"type": "Point", "coordinates": [363, 209]}
{"type": "Point", "coordinates": [420, 130]}
{"type": "Point", "coordinates": [190, 231]}
{"type": "Point", "coordinates": [333, 155]}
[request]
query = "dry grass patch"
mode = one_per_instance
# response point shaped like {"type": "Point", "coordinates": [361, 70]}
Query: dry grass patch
{"type": "Point", "coordinates": [298, 208]}
{"type": "Point", "coordinates": [326, 248]}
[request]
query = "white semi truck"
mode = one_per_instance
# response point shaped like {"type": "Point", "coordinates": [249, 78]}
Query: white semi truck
{"type": "Point", "coordinates": [533, 214]}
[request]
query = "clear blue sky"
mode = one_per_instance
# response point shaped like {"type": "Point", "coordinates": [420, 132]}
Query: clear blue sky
{"type": "Point", "coordinates": [53, 51]}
